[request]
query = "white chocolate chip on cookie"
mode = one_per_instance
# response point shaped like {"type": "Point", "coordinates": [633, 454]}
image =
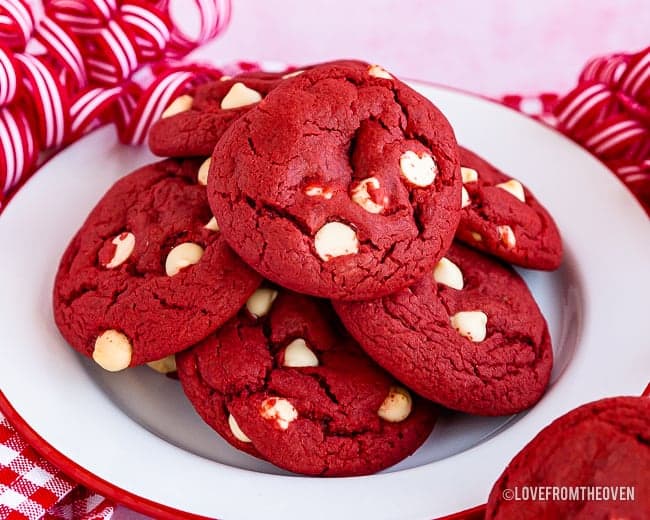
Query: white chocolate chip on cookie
{"type": "Point", "coordinates": [361, 196]}
{"type": "Point", "coordinates": [476, 236]}
{"type": "Point", "coordinates": [124, 244]}
{"type": "Point", "coordinates": [335, 239]}
{"type": "Point", "coordinates": [464, 198]}
{"type": "Point", "coordinates": [112, 351]}
{"type": "Point", "coordinates": [298, 354]}
{"type": "Point", "coordinates": [448, 273]}
{"type": "Point", "coordinates": [236, 430]}
{"type": "Point", "coordinates": [165, 365]}
{"type": "Point", "coordinates": [468, 174]}
{"type": "Point", "coordinates": [319, 191]}
{"type": "Point", "coordinates": [260, 302]}
{"type": "Point", "coordinates": [515, 189]}
{"type": "Point", "coordinates": [240, 95]}
{"type": "Point", "coordinates": [204, 169]}
{"type": "Point", "coordinates": [507, 236]}
{"type": "Point", "coordinates": [379, 72]}
{"type": "Point", "coordinates": [418, 170]}
{"type": "Point", "coordinates": [180, 104]}
{"type": "Point", "coordinates": [181, 256]}
{"type": "Point", "coordinates": [278, 410]}
{"type": "Point", "coordinates": [470, 324]}
{"type": "Point", "coordinates": [212, 225]}
{"type": "Point", "coordinates": [293, 74]}
{"type": "Point", "coordinates": [397, 405]}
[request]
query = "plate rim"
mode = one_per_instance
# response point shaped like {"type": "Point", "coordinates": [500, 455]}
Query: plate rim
{"type": "Point", "coordinates": [150, 507]}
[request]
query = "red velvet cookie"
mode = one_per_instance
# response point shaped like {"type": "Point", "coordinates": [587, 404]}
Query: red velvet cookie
{"type": "Point", "coordinates": [502, 217]}
{"type": "Point", "coordinates": [342, 183]}
{"type": "Point", "coordinates": [194, 122]}
{"type": "Point", "coordinates": [148, 274]}
{"type": "Point", "coordinates": [600, 447]}
{"type": "Point", "coordinates": [470, 337]}
{"type": "Point", "coordinates": [284, 382]}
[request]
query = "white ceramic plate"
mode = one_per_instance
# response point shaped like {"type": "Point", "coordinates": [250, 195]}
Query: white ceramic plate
{"type": "Point", "coordinates": [134, 437]}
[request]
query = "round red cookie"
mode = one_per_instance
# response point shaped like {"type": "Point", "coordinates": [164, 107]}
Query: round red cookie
{"type": "Point", "coordinates": [200, 120]}
{"type": "Point", "coordinates": [289, 385]}
{"type": "Point", "coordinates": [502, 217]}
{"type": "Point", "coordinates": [342, 183]}
{"type": "Point", "coordinates": [195, 122]}
{"type": "Point", "coordinates": [144, 277]}
{"type": "Point", "coordinates": [602, 448]}
{"type": "Point", "coordinates": [470, 337]}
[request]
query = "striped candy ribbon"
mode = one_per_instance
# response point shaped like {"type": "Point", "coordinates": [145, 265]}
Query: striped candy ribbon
{"type": "Point", "coordinates": [67, 66]}
{"type": "Point", "coordinates": [609, 114]}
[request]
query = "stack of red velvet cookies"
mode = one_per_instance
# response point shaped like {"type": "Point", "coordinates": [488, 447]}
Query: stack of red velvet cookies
{"type": "Point", "coordinates": [326, 264]}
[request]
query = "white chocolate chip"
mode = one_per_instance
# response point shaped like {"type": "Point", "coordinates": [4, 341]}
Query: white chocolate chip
{"type": "Point", "coordinates": [476, 236]}
{"type": "Point", "coordinates": [112, 351]}
{"type": "Point", "coordinates": [448, 273]}
{"type": "Point", "coordinates": [204, 169]}
{"type": "Point", "coordinates": [212, 225]}
{"type": "Point", "coordinates": [361, 196]}
{"type": "Point", "coordinates": [468, 174]}
{"type": "Point", "coordinates": [180, 104]}
{"type": "Point", "coordinates": [515, 189]}
{"type": "Point", "coordinates": [293, 74]}
{"type": "Point", "coordinates": [319, 191]}
{"type": "Point", "coordinates": [124, 245]}
{"type": "Point", "coordinates": [418, 170]}
{"type": "Point", "coordinates": [278, 410]}
{"type": "Point", "coordinates": [379, 72]}
{"type": "Point", "coordinates": [470, 324]}
{"type": "Point", "coordinates": [397, 405]}
{"type": "Point", "coordinates": [335, 239]}
{"type": "Point", "coordinates": [240, 95]}
{"type": "Point", "coordinates": [182, 256]}
{"type": "Point", "coordinates": [260, 302]}
{"type": "Point", "coordinates": [507, 236]}
{"type": "Point", "coordinates": [298, 354]}
{"type": "Point", "coordinates": [464, 198]}
{"type": "Point", "coordinates": [236, 430]}
{"type": "Point", "coordinates": [165, 365]}
{"type": "Point", "coordinates": [225, 78]}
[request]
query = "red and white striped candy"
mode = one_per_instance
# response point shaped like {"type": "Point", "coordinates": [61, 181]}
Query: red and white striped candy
{"type": "Point", "coordinates": [583, 106]}
{"type": "Point", "coordinates": [65, 49]}
{"type": "Point", "coordinates": [614, 136]}
{"type": "Point", "coordinates": [609, 113]}
{"type": "Point", "coordinates": [214, 15]}
{"type": "Point", "coordinates": [17, 22]}
{"type": "Point", "coordinates": [17, 147]}
{"type": "Point", "coordinates": [604, 69]}
{"type": "Point", "coordinates": [9, 78]}
{"type": "Point", "coordinates": [75, 60]}
{"type": "Point", "coordinates": [635, 79]}
{"type": "Point", "coordinates": [88, 106]}
{"type": "Point", "coordinates": [115, 57]}
{"type": "Point", "coordinates": [151, 29]}
{"type": "Point", "coordinates": [49, 98]}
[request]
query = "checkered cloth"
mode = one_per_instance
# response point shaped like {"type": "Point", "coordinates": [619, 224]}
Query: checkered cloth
{"type": "Point", "coordinates": [31, 488]}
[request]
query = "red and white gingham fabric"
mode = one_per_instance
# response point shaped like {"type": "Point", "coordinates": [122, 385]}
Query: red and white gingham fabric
{"type": "Point", "coordinates": [30, 487]}
{"type": "Point", "coordinates": [76, 61]}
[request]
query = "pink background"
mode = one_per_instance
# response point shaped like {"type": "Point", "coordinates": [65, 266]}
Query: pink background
{"type": "Point", "coordinates": [487, 46]}
{"type": "Point", "coordinates": [493, 47]}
